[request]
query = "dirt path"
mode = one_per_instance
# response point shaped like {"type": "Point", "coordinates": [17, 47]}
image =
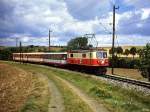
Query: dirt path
{"type": "Point", "coordinates": [93, 104]}
{"type": "Point", "coordinates": [56, 100]}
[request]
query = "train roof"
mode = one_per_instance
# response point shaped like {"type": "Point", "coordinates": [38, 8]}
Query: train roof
{"type": "Point", "coordinates": [43, 53]}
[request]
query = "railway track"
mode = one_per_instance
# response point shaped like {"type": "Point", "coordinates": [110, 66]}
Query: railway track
{"type": "Point", "coordinates": [128, 80]}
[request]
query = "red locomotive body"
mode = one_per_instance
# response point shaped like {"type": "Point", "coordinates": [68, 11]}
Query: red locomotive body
{"type": "Point", "coordinates": [88, 58]}
{"type": "Point", "coordinates": [94, 61]}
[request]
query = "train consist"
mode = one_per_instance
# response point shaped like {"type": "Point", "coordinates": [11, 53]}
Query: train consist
{"type": "Point", "coordinates": [93, 61]}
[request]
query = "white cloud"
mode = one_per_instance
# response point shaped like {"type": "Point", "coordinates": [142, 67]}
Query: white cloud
{"type": "Point", "coordinates": [35, 17]}
{"type": "Point", "coordinates": [137, 3]}
{"type": "Point", "coordinates": [146, 13]}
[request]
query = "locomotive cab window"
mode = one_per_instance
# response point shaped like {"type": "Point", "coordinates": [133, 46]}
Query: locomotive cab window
{"type": "Point", "coordinates": [99, 55]}
{"type": "Point", "coordinates": [104, 54]}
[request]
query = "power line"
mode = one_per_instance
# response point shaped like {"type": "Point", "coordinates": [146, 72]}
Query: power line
{"type": "Point", "coordinates": [105, 29]}
{"type": "Point", "coordinates": [117, 40]}
{"type": "Point", "coordinates": [91, 38]}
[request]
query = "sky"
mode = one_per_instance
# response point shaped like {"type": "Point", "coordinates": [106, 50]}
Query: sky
{"type": "Point", "coordinates": [30, 20]}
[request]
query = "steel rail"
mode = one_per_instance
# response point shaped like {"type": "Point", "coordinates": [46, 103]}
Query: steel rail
{"type": "Point", "coordinates": [128, 80]}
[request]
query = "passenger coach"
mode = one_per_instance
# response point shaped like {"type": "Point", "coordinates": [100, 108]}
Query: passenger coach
{"type": "Point", "coordinates": [41, 57]}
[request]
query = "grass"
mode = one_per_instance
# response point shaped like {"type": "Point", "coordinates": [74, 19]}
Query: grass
{"type": "Point", "coordinates": [72, 102]}
{"type": "Point", "coordinates": [15, 86]}
{"type": "Point", "coordinates": [115, 98]}
{"type": "Point", "coordinates": [38, 100]}
{"type": "Point", "coordinates": [21, 90]}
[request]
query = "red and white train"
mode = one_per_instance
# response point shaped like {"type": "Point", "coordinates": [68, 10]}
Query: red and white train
{"type": "Point", "coordinates": [93, 61]}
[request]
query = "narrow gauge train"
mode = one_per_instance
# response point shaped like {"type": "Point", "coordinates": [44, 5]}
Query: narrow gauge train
{"type": "Point", "coordinates": [93, 61]}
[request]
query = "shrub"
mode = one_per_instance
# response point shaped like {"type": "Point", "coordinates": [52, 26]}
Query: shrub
{"type": "Point", "coordinates": [124, 62]}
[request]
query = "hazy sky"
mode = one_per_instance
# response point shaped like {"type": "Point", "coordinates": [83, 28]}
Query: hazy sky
{"type": "Point", "coordinates": [30, 20]}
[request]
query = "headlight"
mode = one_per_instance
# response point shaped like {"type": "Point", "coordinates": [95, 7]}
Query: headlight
{"type": "Point", "coordinates": [102, 62]}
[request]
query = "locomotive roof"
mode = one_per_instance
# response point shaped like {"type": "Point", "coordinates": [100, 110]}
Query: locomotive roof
{"type": "Point", "coordinates": [82, 51]}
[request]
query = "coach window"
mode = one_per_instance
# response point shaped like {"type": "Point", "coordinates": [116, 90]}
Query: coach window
{"type": "Point", "coordinates": [83, 55]}
{"type": "Point", "coordinates": [71, 55]}
{"type": "Point", "coordinates": [64, 56]}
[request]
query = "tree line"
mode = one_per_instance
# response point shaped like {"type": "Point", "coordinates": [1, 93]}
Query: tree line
{"type": "Point", "coordinates": [119, 50]}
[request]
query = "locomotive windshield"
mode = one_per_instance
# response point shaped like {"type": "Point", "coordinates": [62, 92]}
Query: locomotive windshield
{"type": "Point", "coordinates": [101, 54]}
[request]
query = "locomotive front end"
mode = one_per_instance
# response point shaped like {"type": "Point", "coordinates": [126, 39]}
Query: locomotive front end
{"type": "Point", "coordinates": [102, 58]}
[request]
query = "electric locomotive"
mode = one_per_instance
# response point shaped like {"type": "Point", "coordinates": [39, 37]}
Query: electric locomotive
{"type": "Point", "coordinates": [93, 61]}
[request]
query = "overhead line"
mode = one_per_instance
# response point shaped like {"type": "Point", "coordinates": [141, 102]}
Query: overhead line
{"type": "Point", "coordinates": [106, 29]}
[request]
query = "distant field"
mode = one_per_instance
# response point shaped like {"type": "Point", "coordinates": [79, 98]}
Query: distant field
{"type": "Point", "coordinates": [130, 73]}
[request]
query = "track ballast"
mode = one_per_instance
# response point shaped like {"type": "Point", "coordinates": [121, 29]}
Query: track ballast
{"type": "Point", "coordinates": [128, 80]}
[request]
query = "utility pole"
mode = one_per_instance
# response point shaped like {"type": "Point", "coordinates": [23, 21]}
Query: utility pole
{"type": "Point", "coordinates": [113, 37]}
{"type": "Point", "coordinates": [49, 39]}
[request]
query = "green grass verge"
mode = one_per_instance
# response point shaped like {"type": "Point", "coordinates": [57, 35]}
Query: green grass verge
{"type": "Point", "coordinates": [115, 98]}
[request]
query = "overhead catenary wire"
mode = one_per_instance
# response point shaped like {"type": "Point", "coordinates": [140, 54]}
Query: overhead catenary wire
{"type": "Point", "coordinates": [105, 29]}
{"type": "Point", "coordinates": [117, 40]}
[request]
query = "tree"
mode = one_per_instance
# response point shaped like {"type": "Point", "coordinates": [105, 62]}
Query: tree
{"type": "Point", "coordinates": [6, 54]}
{"type": "Point", "coordinates": [133, 51]}
{"type": "Point", "coordinates": [144, 66]}
{"type": "Point", "coordinates": [78, 43]}
{"type": "Point", "coordinates": [126, 52]}
{"type": "Point", "coordinates": [139, 51]}
{"type": "Point", "coordinates": [115, 50]}
{"type": "Point", "coordinates": [119, 50]}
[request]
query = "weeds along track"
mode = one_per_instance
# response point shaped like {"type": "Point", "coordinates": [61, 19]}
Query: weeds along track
{"type": "Point", "coordinates": [119, 78]}
{"type": "Point", "coordinates": [144, 84]}
{"type": "Point", "coordinates": [128, 80]}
